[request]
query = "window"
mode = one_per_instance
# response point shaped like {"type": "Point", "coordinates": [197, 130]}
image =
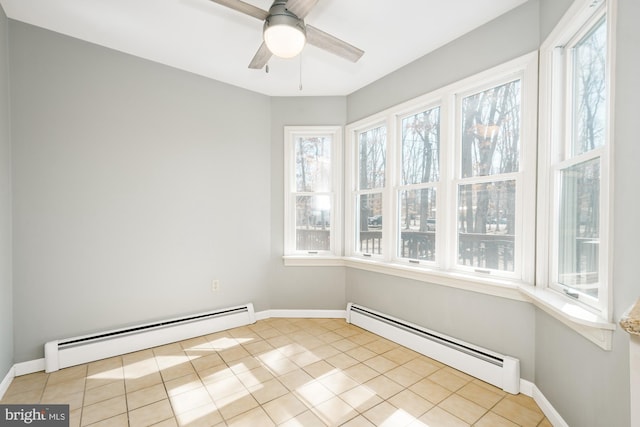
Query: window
{"type": "Point", "coordinates": [372, 153]}
{"type": "Point", "coordinates": [576, 164]}
{"type": "Point", "coordinates": [437, 186]}
{"type": "Point", "coordinates": [578, 167]}
{"type": "Point", "coordinates": [488, 185]}
{"type": "Point", "coordinates": [312, 180]}
{"type": "Point", "coordinates": [420, 174]}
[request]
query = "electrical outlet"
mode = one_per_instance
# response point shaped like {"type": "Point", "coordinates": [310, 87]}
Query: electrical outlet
{"type": "Point", "coordinates": [215, 285]}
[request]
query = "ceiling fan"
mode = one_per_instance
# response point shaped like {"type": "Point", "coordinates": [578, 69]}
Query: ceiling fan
{"type": "Point", "coordinates": [285, 33]}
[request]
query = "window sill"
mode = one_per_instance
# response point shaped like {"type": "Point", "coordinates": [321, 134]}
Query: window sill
{"type": "Point", "coordinates": [590, 325]}
{"type": "Point", "coordinates": [313, 261]}
{"type": "Point", "coordinates": [495, 286]}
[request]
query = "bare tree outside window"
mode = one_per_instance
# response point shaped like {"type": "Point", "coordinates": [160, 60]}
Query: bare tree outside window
{"type": "Point", "coordinates": [421, 147]}
{"type": "Point", "coordinates": [579, 208]}
{"type": "Point", "coordinates": [435, 186]}
{"type": "Point", "coordinates": [313, 197]}
{"type": "Point", "coordinates": [417, 194]}
{"type": "Point", "coordinates": [488, 242]}
{"type": "Point", "coordinates": [491, 131]}
{"type": "Point", "coordinates": [372, 152]}
{"type": "Point", "coordinates": [490, 147]}
{"type": "Point", "coordinates": [589, 93]}
{"type": "Point", "coordinates": [373, 158]}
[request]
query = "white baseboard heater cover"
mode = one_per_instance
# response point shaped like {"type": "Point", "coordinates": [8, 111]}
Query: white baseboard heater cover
{"type": "Point", "coordinates": [496, 369]}
{"type": "Point", "coordinates": [76, 351]}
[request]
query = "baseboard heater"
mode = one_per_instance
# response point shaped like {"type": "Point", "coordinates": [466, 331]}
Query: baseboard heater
{"type": "Point", "coordinates": [75, 351]}
{"type": "Point", "coordinates": [499, 370]}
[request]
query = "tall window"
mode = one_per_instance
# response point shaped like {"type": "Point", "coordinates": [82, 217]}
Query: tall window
{"type": "Point", "coordinates": [444, 183]}
{"type": "Point", "coordinates": [490, 128]}
{"type": "Point", "coordinates": [578, 161]}
{"type": "Point", "coordinates": [372, 159]}
{"type": "Point", "coordinates": [311, 156]}
{"type": "Point", "coordinates": [420, 174]}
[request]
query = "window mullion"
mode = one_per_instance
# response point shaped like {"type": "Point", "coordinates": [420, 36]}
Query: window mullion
{"type": "Point", "coordinates": [447, 213]}
{"type": "Point", "coordinates": [389, 230]}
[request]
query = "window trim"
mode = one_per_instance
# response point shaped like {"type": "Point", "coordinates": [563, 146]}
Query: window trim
{"type": "Point", "coordinates": [399, 187]}
{"type": "Point", "coordinates": [357, 192]}
{"type": "Point", "coordinates": [445, 273]}
{"type": "Point", "coordinates": [525, 178]}
{"type": "Point", "coordinates": [333, 255]}
{"type": "Point", "coordinates": [593, 324]}
{"type": "Point", "coordinates": [351, 180]}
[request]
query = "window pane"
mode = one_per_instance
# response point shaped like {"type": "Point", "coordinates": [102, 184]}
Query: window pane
{"type": "Point", "coordinates": [491, 131]}
{"type": "Point", "coordinates": [313, 163]}
{"type": "Point", "coordinates": [421, 147]}
{"type": "Point", "coordinates": [370, 227]}
{"type": "Point", "coordinates": [418, 224]}
{"type": "Point", "coordinates": [589, 66]}
{"type": "Point", "coordinates": [579, 235]}
{"type": "Point", "coordinates": [486, 224]}
{"type": "Point", "coordinates": [372, 152]}
{"type": "Point", "coordinates": [313, 220]}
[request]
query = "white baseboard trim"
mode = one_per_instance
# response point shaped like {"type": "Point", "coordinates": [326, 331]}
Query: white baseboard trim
{"type": "Point", "coordinates": [6, 382]}
{"type": "Point", "coordinates": [303, 314]}
{"type": "Point", "coordinates": [29, 367]}
{"type": "Point", "coordinates": [38, 365]}
{"type": "Point", "coordinates": [526, 387]}
{"type": "Point", "coordinates": [529, 389]}
{"type": "Point", "coordinates": [549, 411]}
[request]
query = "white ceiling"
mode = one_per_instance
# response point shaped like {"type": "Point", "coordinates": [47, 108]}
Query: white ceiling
{"type": "Point", "coordinates": [213, 41]}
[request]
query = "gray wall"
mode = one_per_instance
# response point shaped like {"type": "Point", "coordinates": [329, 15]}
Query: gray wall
{"type": "Point", "coordinates": [508, 36]}
{"type": "Point", "coordinates": [135, 185]}
{"type": "Point", "coordinates": [588, 386]}
{"type": "Point", "coordinates": [300, 287]}
{"type": "Point", "coordinates": [6, 294]}
{"type": "Point", "coordinates": [550, 13]}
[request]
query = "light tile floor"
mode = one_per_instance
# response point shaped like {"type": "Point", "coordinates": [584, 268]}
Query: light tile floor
{"type": "Point", "coordinates": [285, 372]}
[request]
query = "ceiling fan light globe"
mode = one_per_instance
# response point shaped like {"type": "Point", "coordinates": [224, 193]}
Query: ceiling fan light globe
{"type": "Point", "coordinates": [284, 41]}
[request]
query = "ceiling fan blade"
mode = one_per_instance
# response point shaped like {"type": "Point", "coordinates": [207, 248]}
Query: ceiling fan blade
{"type": "Point", "coordinates": [333, 44]}
{"type": "Point", "coordinates": [261, 57]}
{"type": "Point", "coordinates": [246, 8]}
{"type": "Point", "coordinates": [301, 8]}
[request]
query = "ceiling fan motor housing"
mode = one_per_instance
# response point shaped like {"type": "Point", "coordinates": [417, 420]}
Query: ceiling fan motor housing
{"type": "Point", "coordinates": [277, 31]}
{"type": "Point", "coordinates": [280, 15]}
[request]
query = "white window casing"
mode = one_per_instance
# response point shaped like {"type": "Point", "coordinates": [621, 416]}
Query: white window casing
{"type": "Point", "coordinates": [445, 269]}
{"type": "Point", "coordinates": [331, 194]}
{"type": "Point", "coordinates": [590, 315]}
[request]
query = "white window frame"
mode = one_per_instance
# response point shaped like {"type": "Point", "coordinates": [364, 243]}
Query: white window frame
{"type": "Point", "coordinates": [398, 187]}
{"type": "Point", "coordinates": [592, 320]}
{"type": "Point", "coordinates": [292, 256]}
{"type": "Point", "coordinates": [356, 192]}
{"type": "Point", "coordinates": [445, 270]}
{"type": "Point", "coordinates": [524, 178]}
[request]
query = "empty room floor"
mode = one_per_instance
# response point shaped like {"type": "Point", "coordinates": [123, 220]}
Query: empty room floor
{"type": "Point", "coordinates": [285, 372]}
